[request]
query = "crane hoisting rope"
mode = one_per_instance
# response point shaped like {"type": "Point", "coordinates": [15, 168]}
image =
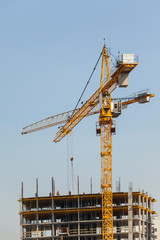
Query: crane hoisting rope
{"type": "Point", "coordinates": [87, 84]}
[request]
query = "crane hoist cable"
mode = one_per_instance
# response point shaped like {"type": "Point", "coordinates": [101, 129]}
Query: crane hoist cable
{"type": "Point", "coordinates": [87, 83]}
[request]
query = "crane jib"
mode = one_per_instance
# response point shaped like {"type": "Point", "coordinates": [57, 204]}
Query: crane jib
{"type": "Point", "coordinates": [92, 102]}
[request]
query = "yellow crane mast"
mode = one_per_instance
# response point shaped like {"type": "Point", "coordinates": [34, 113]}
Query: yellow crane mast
{"type": "Point", "coordinates": [100, 102]}
{"type": "Point", "coordinates": [106, 122]}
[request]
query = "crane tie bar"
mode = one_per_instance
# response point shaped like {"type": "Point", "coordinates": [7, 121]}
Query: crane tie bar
{"type": "Point", "coordinates": [87, 83]}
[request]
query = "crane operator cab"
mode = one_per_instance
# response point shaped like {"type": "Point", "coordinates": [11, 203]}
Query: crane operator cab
{"type": "Point", "coordinates": [116, 108]}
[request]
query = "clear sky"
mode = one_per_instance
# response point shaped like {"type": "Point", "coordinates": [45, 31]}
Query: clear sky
{"type": "Point", "coordinates": [47, 52]}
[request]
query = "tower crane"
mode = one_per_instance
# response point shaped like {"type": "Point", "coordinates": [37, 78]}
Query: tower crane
{"type": "Point", "coordinates": [108, 108]}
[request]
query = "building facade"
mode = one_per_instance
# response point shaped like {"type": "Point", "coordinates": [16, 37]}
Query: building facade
{"type": "Point", "coordinates": [156, 224]}
{"type": "Point", "coordinates": [79, 217]}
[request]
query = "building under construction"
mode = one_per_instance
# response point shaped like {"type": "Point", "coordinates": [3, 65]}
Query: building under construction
{"type": "Point", "coordinates": [88, 216]}
{"type": "Point", "coordinates": [79, 217]}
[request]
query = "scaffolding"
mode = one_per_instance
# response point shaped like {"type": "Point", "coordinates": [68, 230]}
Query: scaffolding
{"type": "Point", "coordinates": [80, 216]}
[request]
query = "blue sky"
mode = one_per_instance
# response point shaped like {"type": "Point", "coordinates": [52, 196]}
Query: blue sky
{"type": "Point", "coordinates": [47, 52]}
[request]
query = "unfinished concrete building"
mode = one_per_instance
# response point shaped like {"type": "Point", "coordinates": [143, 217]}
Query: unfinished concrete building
{"type": "Point", "coordinates": [79, 217]}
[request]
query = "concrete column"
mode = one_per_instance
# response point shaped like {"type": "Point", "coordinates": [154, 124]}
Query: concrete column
{"type": "Point", "coordinates": [130, 216]}
{"type": "Point", "coordinates": [149, 220]}
{"type": "Point", "coordinates": [53, 232]}
{"type": "Point", "coordinates": [37, 206]}
{"type": "Point", "coordinates": [149, 227]}
{"type": "Point", "coordinates": [78, 220]}
{"type": "Point", "coordinates": [91, 185]}
{"type": "Point", "coordinates": [53, 187]}
{"type": "Point", "coordinates": [78, 185]}
{"type": "Point", "coordinates": [91, 222]}
{"type": "Point", "coordinates": [143, 220]}
{"type": "Point", "coordinates": [147, 232]}
{"type": "Point", "coordinates": [53, 229]}
{"type": "Point", "coordinates": [139, 216]}
{"type": "Point", "coordinates": [21, 215]}
{"type": "Point", "coordinates": [21, 220]}
{"type": "Point", "coordinates": [150, 205]}
{"type": "Point", "coordinates": [37, 223]}
{"type": "Point", "coordinates": [78, 207]}
{"type": "Point", "coordinates": [22, 190]}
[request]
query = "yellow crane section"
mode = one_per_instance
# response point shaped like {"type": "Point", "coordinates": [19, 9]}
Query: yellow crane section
{"type": "Point", "coordinates": [61, 118]}
{"type": "Point", "coordinates": [106, 122]}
